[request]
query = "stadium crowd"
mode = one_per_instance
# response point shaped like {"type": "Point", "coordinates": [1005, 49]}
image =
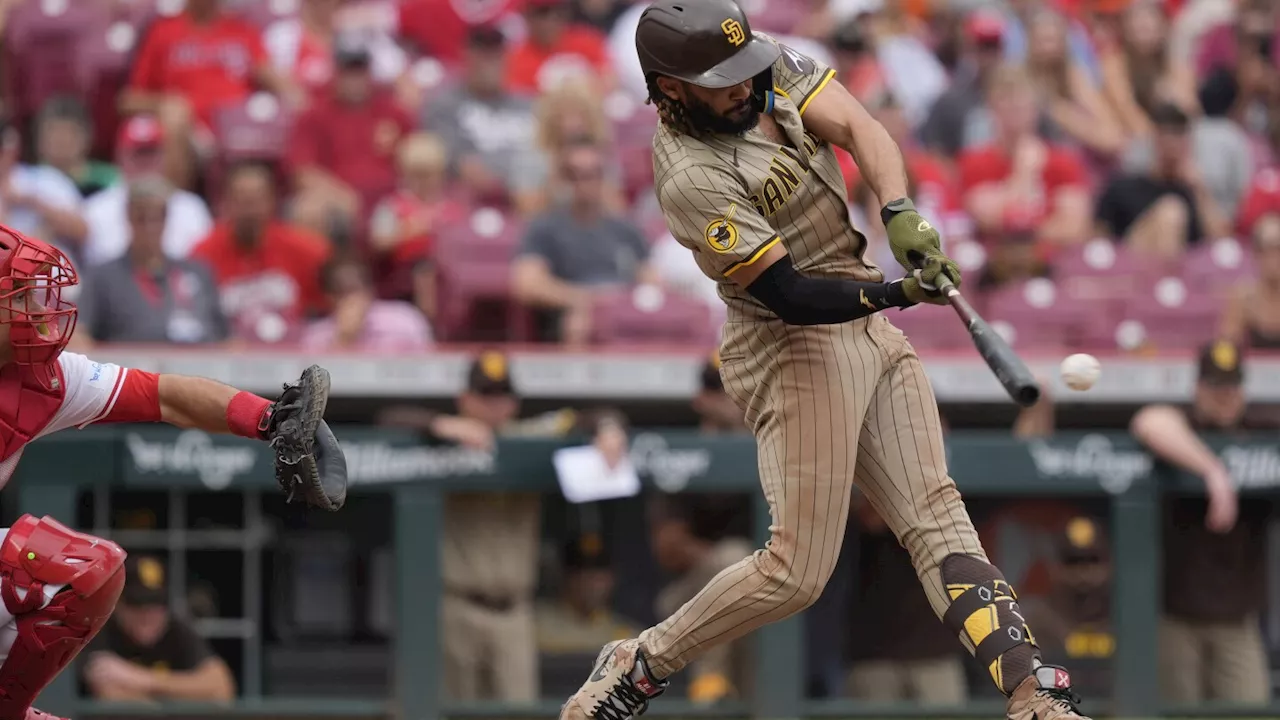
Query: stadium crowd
{"type": "Point", "coordinates": [384, 175]}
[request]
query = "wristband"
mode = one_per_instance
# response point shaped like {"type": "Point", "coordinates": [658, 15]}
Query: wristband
{"type": "Point", "coordinates": [247, 415]}
{"type": "Point", "coordinates": [896, 295]}
{"type": "Point", "coordinates": [900, 205]}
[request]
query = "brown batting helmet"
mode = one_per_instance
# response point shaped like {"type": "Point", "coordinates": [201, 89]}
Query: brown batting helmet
{"type": "Point", "coordinates": [705, 42]}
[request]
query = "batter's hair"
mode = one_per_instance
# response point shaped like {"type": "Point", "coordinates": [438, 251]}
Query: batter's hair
{"type": "Point", "coordinates": [671, 111]}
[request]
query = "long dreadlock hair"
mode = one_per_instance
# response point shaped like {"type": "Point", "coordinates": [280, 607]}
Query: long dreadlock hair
{"type": "Point", "coordinates": [671, 111]}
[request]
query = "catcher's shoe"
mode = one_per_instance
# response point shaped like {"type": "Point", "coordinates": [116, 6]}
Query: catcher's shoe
{"type": "Point", "coordinates": [619, 687]}
{"type": "Point", "coordinates": [34, 714]}
{"type": "Point", "coordinates": [1045, 695]}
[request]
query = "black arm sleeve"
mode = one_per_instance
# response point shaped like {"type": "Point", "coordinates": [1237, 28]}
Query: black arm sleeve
{"type": "Point", "coordinates": [800, 300]}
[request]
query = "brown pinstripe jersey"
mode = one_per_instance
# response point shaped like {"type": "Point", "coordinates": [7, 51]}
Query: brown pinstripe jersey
{"type": "Point", "coordinates": [730, 198]}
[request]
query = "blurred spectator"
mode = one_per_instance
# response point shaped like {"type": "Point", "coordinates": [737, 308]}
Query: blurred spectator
{"type": "Point", "coordinates": [403, 226]}
{"type": "Point", "coordinates": [959, 119]}
{"type": "Point", "coordinates": [1073, 621]}
{"type": "Point", "coordinates": [146, 653]}
{"type": "Point", "coordinates": [910, 68]}
{"type": "Point", "coordinates": [63, 137]}
{"type": "Point", "coordinates": [899, 650]}
{"type": "Point", "coordinates": [1159, 212]}
{"type": "Point", "coordinates": [38, 200]}
{"type": "Point", "coordinates": [1192, 21]}
{"type": "Point", "coordinates": [856, 60]}
{"type": "Point", "coordinates": [139, 152]}
{"type": "Point", "coordinates": [581, 619]}
{"type": "Point", "coordinates": [1139, 72]}
{"type": "Point", "coordinates": [343, 148]}
{"type": "Point", "coordinates": [577, 247]}
{"type": "Point", "coordinates": [1019, 41]}
{"type": "Point", "coordinates": [1013, 257]}
{"type": "Point", "coordinates": [1250, 34]}
{"type": "Point", "coordinates": [1211, 644]}
{"type": "Point", "coordinates": [190, 65]}
{"type": "Point", "coordinates": [717, 413]}
{"type": "Point", "coordinates": [268, 271]}
{"type": "Point", "coordinates": [1252, 313]}
{"type": "Point", "coordinates": [439, 28]}
{"type": "Point", "coordinates": [691, 551]}
{"type": "Point", "coordinates": [301, 47]}
{"type": "Point", "coordinates": [1020, 182]}
{"type": "Point", "coordinates": [599, 14]}
{"type": "Point", "coordinates": [557, 50]}
{"type": "Point", "coordinates": [930, 181]}
{"type": "Point", "coordinates": [1069, 93]}
{"type": "Point", "coordinates": [360, 321]}
{"type": "Point", "coordinates": [145, 296]}
{"type": "Point", "coordinates": [567, 116]}
{"type": "Point", "coordinates": [490, 545]}
{"type": "Point", "coordinates": [487, 129]}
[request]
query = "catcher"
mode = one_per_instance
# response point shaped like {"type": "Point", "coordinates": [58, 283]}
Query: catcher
{"type": "Point", "coordinates": [59, 586]}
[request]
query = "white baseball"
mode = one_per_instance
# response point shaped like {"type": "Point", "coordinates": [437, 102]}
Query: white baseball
{"type": "Point", "coordinates": [1080, 371]}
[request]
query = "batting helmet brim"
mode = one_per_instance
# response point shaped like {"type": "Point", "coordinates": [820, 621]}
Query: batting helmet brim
{"type": "Point", "coordinates": [754, 58]}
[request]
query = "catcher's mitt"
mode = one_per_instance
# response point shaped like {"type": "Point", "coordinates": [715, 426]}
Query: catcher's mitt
{"type": "Point", "coordinates": [309, 463]}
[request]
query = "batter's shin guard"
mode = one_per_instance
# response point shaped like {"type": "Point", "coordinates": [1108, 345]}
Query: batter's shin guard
{"type": "Point", "coordinates": [984, 610]}
{"type": "Point", "coordinates": [36, 554]}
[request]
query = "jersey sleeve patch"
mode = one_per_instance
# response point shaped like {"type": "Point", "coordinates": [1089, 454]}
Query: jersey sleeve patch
{"type": "Point", "coordinates": [797, 62]}
{"type": "Point", "coordinates": [721, 234]}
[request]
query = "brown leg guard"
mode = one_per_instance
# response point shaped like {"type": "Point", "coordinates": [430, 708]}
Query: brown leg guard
{"type": "Point", "coordinates": [984, 613]}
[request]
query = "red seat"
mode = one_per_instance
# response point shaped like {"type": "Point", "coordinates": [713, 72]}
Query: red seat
{"type": "Point", "coordinates": [255, 130]}
{"type": "Point", "coordinates": [650, 315]}
{"type": "Point", "coordinates": [1033, 314]}
{"type": "Point", "coordinates": [1173, 314]}
{"type": "Point", "coordinates": [473, 279]}
{"type": "Point", "coordinates": [42, 46]}
{"type": "Point", "coordinates": [1218, 266]}
{"type": "Point", "coordinates": [104, 59]}
{"type": "Point", "coordinates": [930, 328]}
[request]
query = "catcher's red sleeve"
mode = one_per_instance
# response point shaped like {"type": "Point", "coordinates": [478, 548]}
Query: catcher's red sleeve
{"type": "Point", "coordinates": [138, 399]}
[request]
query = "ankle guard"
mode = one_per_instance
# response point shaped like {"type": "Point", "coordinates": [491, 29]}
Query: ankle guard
{"type": "Point", "coordinates": [35, 555]}
{"type": "Point", "coordinates": [984, 610]}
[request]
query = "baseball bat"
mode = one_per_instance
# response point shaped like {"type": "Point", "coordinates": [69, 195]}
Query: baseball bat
{"type": "Point", "coordinates": [1003, 361]}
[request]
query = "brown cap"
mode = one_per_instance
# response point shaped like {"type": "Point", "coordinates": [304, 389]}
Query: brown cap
{"type": "Point", "coordinates": [145, 581]}
{"type": "Point", "coordinates": [490, 374]}
{"type": "Point", "coordinates": [1082, 541]}
{"type": "Point", "coordinates": [1221, 363]}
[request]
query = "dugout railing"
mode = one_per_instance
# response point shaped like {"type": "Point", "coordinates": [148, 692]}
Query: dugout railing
{"type": "Point", "coordinates": [57, 471]}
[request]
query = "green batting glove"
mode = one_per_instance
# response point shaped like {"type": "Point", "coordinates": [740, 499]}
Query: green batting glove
{"type": "Point", "coordinates": [912, 239]}
{"type": "Point", "coordinates": [921, 286]}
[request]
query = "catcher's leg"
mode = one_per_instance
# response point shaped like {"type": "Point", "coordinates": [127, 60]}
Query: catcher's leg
{"type": "Point", "coordinates": [59, 587]}
{"type": "Point", "coordinates": [812, 400]}
{"type": "Point", "coordinates": [902, 470]}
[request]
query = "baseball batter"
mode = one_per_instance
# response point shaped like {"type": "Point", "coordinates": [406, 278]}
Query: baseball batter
{"type": "Point", "coordinates": [748, 180]}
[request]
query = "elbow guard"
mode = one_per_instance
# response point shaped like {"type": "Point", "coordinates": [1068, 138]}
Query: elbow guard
{"type": "Point", "coordinates": [800, 300]}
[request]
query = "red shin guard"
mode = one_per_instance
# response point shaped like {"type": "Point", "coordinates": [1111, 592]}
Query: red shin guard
{"type": "Point", "coordinates": [38, 553]}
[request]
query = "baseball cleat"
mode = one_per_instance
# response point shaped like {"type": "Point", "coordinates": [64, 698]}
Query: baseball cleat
{"type": "Point", "coordinates": [619, 688]}
{"type": "Point", "coordinates": [1045, 695]}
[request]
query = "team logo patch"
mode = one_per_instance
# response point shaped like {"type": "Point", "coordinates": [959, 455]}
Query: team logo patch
{"type": "Point", "coordinates": [796, 62]}
{"type": "Point", "coordinates": [733, 31]}
{"type": "Point", "coordinates": [721, 233]}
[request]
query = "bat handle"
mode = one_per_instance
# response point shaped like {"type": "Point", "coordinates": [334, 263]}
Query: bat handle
{"type": "Point", "coordinates": [946, 287]}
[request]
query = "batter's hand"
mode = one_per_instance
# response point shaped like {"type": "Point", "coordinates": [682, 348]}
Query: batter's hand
{"type": "Point", "coordinates": [921, 286]}
{"type": "Point", "coordinates": [912, 239]}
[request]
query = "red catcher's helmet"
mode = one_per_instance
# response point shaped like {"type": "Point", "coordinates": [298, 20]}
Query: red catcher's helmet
{"type": "Point", "coordinates": [33, 275]}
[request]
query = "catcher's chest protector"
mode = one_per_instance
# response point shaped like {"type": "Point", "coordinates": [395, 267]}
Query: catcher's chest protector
{"type": "Point", "coordinates": [26, 407]}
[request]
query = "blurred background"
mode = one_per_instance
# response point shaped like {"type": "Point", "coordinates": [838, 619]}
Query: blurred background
{"type": "Point", "coordinates": [449, 204]}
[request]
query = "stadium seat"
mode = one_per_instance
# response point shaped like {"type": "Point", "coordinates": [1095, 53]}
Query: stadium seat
{"type": "Point", "coordinates": [1172, 315]}
{"type": "Point", "coordinates": [649, 315]}
{"type": "Point", "coordinates": [473, 278]}
{"type": "Point", "coordinates": [103, 67]}
{"type": "Point", "coordinates": [1099, 270]}
{"type": "Point", "coordinates": [1217, 266]}
{"type": "Point", "coordinates": [1033, 314]}
{"type": "Point", "coordinates": [255, 130]}
{"type": "Point", "coordinates": [43, 42]}
{"type": "Point", "coordinates": [930, 328]}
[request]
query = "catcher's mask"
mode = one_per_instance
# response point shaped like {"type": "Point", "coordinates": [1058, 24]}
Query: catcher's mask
{"type": "Point", "coordinates": [708, 43]}
{"type": "Point", "coordinates": [33, 275]}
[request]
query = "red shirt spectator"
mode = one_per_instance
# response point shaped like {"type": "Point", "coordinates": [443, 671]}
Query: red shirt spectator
{"type": "Point", "coordinates": [211, 63]}
{"type": "Point", "coordinates": [439, 28]}
{"type": "Point", "coordinates": [1262, 199]}
{"type": "Point", "coordinates": [556, 49]}
{"type": "Point", "coordinates": [351, 134]}
{"type": "Point", "coordinates": [268, 272]}
{"type": "Point", "coordinates": [990, 164]}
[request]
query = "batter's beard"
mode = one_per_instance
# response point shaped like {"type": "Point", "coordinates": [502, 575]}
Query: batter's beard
{"type": "Point", "coordinates": [706, 120]}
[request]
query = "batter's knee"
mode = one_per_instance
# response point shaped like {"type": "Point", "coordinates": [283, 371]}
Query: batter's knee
{"type": "Point", "coordinates": [797, 571]}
